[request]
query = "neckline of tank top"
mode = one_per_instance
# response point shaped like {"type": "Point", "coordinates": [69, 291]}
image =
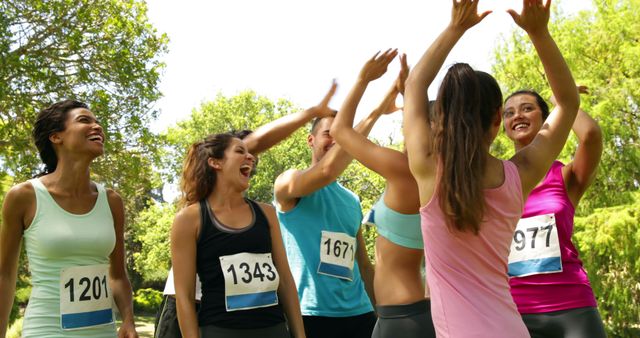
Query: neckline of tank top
{"type": "Point", "coordinates": [65, 211]}
{"type": "Point", "coordinates": [222, 227]}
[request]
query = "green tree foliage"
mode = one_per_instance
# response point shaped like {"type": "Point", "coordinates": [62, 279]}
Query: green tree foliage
{"type": "Point", "coordinates": [151, 231]}
{"type": "Point", "coordinates": [102, 52]}
{"type": "Point", "coordinates": [602, 50]}
{"type": "Point", "coordinates": [608, 243]}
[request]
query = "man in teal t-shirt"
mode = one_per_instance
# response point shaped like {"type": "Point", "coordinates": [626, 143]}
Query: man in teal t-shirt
{"type": "Point", "coordinates": [320, 222]}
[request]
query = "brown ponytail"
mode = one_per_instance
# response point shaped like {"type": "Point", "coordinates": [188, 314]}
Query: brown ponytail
{"type": "Point", "coordinates": [465, 108]}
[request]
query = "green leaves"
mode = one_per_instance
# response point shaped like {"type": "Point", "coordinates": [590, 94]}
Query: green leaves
{"type": "Point", "coordinates": [608, 244]}
{"type": "Point", "coordinates": [104, 53]}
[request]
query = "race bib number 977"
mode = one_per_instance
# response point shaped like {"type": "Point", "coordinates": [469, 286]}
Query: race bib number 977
{"type": "Point", "coordinates": [250, 281]}
{"type": "Point", "coordinates": [535, 248]}
{"type": "Point", "coordinates": [85, 297]}
{"type": "Point", "coordinates": [337, 253]}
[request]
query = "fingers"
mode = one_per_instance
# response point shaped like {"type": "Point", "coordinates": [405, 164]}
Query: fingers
{"type": "Point", "coordinates": [330, 93]}
{"type": "Point", "coordinates": [583, 89]}
{"type": "Point", "coordinates": [374, 56]}
{"type": "Point", "coordinates": [388, 55]}
{"type": "Point", "coordinates": [483, 15]}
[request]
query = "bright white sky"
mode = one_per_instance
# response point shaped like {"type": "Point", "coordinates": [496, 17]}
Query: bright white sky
{"type": "Point", "coordinates": [293, 48]}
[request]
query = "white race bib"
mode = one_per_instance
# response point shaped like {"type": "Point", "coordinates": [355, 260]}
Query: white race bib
{"type": "Point", "coordinates": [535, 248]}
{"type": "Point", "coordinates": [337, 253]}
{"type": "Point", "coordinates": [85, 297]}
{"type": "Point", "coordinates": [250, 281]}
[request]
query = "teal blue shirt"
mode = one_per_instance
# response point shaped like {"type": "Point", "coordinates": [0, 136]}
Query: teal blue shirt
{"type": "Point", "coordinates": [335, 209]}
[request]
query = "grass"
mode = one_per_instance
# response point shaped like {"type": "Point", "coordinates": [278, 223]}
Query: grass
{"type": "Point", "coordinates": [144, 325]}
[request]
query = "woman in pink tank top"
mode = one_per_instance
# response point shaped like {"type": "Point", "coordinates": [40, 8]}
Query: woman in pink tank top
{"type": "Point", "coordinates": [548, 283]}
{"type": "Point", "coordinates": [471, 201]}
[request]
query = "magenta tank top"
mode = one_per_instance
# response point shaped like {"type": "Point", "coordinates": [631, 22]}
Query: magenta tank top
{"type": "Point", "coordinates": [568, 288]}
{"type": "Point", "coordinates": [467, 273]}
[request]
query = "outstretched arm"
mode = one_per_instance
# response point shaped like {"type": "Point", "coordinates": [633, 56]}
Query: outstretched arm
{"type": "Point", "coordinates": [13, 212]}
{"type": "Point", "coordinates": [582, 170]}
{"type": "Point", "coordinates": [273, 132]}
{"type": "Point", "coordinates": [287, 291]}
{"type": "Point", "coordinates": [184, 234]}
{"type": "Point", "coordinates": [534, 160]}
{"type": "Point", "coordinates": [385, 161]}
{"type": "Point", "coordinates": [119, 281]}
{"type": "Point", "coordinates": [293, 184]}
{"type": "Point", "coordinates": [416, 127]}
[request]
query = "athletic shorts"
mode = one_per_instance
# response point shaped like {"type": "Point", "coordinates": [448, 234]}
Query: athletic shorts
{"type": "Point", "coordinates": [360, 326]}
{"type": "Point", "coordinates": [573, 323]}
{"type": "Point", "coordinates": [404, 321]}
{"type": "Point", "coordinates": [276, 331]}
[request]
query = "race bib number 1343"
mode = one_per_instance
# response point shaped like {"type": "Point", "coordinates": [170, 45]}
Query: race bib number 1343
{"type": "Point", "coordinates": [250, 281]}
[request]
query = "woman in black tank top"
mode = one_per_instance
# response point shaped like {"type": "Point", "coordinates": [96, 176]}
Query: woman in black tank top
{"type": "Point", "coordinates": [235, 246]}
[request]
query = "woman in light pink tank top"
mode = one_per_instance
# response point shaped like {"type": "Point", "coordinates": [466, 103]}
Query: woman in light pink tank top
{"type": "Point", "coordinates": [548, 283]}
{"type": "Point", "coordinates": [470, 200]}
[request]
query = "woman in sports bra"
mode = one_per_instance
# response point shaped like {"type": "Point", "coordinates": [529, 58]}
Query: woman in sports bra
{"type": "Point", "coordinates": [73, 231]}
{"type": "Point", "coordinates": [235, 246]}
{"type": "Point", "coordinates": [402, 304]}
{"type": "Point", "coordinates": [548, 283]}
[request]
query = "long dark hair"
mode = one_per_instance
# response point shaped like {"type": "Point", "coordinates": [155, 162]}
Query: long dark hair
{"type": "Point", "coordinates": [198, 178]}
{"type": "Point", "coordinates": [542, 104]}
{"type": "Point", "coordinates": [52, 120]}
{"type": "Point", "coordinates": [467, 104]}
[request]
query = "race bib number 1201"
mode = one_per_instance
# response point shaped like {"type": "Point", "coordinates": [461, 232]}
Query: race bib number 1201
{"type": "Point", "coordinates": [337, 253]}
{"type": "Point", "coordinates": [85, 297]}
{"type": "Point", "coordinates": [535, 248]}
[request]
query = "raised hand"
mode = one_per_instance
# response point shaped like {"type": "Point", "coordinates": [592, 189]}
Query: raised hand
{"type": "Point", "coordinates": [534, 16]}
{"type": "Point", "coordinates": [322, 109]}
{"type": "Point", "coordinates": [464, 14]}
{"type": "Point", "coordinates": [388, 103]}
{"type": "Point", "coordinates": [377, 65]}
{"type": "Point", "coordinates": [404, 73]}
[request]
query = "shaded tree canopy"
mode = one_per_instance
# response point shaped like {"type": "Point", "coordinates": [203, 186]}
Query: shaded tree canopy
{"type": "Point", "coordinates": [105, 53]}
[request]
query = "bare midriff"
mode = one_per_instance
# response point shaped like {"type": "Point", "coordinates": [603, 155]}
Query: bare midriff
{"type": "Point", "coordinates": [398, 279]}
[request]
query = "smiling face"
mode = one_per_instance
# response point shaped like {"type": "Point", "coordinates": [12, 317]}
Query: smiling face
{"type": "Point", "coordinates": [320, 140]}
{"type": "Point", "coordinates": [237, 165]}
{"type": "Point", "coordinates": [522, 119]}
{"type": "Point", "coordinates": [82, 134]}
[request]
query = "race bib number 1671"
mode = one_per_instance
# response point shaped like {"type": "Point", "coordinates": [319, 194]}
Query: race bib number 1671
{"type": "Point", "coordinates": [337, 253]}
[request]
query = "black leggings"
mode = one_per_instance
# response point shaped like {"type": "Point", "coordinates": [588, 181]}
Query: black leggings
{"type": "Point", "coordinates": [405, 321]}
{"type": "Point", "coordinates": [166, 325]}
{"type": "Point", "coordinates": [359, 326]}
{"type": "Point", "coordinates": [276, 331]}
{"type": "Point", "coordinates": [573, 323]}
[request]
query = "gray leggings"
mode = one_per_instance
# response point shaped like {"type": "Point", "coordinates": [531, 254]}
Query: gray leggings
{"type": "Point", "coordinates": [404, 321]}
{"type": "Point", "coordinates": [276, 331]}
{"type": "Point", "coordinates": [573, 323]}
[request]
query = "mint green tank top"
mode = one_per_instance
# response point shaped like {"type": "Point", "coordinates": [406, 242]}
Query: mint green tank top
{"type": "Point", "coordinates": [58, 240]}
